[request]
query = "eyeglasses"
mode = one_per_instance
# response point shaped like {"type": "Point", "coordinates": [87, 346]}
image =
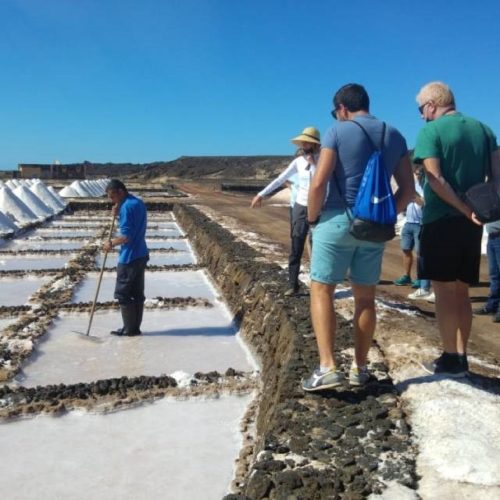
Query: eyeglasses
{"type": "Point", "coordinates": [421, 108]}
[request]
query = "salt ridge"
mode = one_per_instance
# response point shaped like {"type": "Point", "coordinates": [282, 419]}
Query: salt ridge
{"type": "Point", "coordinates": [45, 195]}
{"type": "Point", "coordinates": [6, 225]}
{"type": "Point", "coordinates": [14, 208]}
{"type": "Point", "coordinates": [84, 189]}
{"type": "Point", "coordinates": [33, 202]}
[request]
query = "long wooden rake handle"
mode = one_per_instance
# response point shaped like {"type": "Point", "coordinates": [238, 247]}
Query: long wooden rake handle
{"type": "Point", "coordinates": [100, 278]}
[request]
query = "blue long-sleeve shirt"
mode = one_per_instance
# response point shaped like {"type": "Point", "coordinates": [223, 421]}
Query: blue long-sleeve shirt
{"type": "Point", "coordinates": [133, 222]}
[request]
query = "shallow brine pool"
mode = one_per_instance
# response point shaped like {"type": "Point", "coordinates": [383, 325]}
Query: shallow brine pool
{"type": "Point", "coordinates": [157, 284]}
{"type": "Point", "coordinates": [16, 291]}
{"type": "Point", "coordinates": [176, 244]}
{"type": "Point", "coordinates": [167, 449]}
{"type": "Point", "coordinates": [164, 232]}
{"type": "Point", "coordinates": [43, 245]}
{"type": "Point", "coordinates": [155, 259]}
{"type": "Point", "coordinates": [33, 262]}
{"type": "Point", "coordinates": [69, 232]}
{"type": "Point", "coordinates": [5, 322]}
{"type": "Point", "coordinates": [189, 340]}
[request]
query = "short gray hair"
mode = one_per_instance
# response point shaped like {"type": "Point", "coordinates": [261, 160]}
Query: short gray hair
{"type": "Point", "coordinates": [437, 92]}
{"type": "Point", "coordinates": [116, 185]}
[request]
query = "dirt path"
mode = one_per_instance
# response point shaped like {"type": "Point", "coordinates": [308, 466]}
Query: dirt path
{"type": "Point", "coordinates": [272, 223]}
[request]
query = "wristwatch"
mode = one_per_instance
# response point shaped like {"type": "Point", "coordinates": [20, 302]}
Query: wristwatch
{"type": "Point", "coordinates": [314, 222]}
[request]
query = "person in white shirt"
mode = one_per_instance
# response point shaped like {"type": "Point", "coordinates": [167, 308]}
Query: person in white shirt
{"type": "Point", "coordinates": [302, 167]}
{"type": "Point", "coordinates": [410, 240]}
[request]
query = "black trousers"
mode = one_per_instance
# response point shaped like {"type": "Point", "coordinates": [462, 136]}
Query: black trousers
{"type": "Point", "coordinates": [129, 287]}
{"type": "Point", "coordinates": [299, 229]}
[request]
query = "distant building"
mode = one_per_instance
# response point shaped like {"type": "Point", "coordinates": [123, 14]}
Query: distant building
{"type": "Point", "coordinates": [53, 171]}
{"type": "Point", "coordinates": [9, 174]}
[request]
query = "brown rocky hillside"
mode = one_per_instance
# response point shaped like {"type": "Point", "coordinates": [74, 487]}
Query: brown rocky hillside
{"type": "Point", "coordinates": [217, 167]}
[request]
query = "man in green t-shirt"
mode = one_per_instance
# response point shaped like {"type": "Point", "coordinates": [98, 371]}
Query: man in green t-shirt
{"type": "Point", "coordinates": [455, 151]}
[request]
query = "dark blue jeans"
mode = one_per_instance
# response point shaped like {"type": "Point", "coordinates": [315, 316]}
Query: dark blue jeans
{"type": "Point", "coordinates": [129, 287]}
{"type": "Point", "coordinates": [493, 252]}
{"type": "Point", "coordinates": [299, 229]}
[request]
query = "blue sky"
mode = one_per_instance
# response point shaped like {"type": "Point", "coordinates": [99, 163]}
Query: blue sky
{"type": "Point", "coordinates": [149, 80]}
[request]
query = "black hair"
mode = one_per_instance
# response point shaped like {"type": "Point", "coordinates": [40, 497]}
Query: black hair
{"type": "Point", "coordinates": [116, 185]}
{"type": "Point", "coordinates": [353, 96]}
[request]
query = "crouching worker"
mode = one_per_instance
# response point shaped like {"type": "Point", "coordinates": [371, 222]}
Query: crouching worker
{"type": "Point", "coordinates": [129, 289]}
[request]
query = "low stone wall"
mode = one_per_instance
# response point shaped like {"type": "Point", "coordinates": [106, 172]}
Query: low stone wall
{"type": "Point", "coordinates": [93, 204]}
{"type": "Point", "coordinates": [343, 444]}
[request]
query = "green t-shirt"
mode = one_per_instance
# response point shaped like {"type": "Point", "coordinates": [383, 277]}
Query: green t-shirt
{"type": "Point", "coordinates": [461, 145]}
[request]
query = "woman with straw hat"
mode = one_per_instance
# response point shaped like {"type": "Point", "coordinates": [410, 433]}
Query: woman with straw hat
{"type": "Point", "coordinates": [302, 167]}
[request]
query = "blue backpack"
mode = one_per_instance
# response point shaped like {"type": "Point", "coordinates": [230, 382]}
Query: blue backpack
{"type": "Point", "coordinates": [374, 213]}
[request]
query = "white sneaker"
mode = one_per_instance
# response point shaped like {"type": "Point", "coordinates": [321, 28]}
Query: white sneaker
{"type": "Point", "coordinates": [431, 298]}
{"type": "Point", "coordinates": [420, 294]}
{"type": "Point", "coordinates": [320, 381]}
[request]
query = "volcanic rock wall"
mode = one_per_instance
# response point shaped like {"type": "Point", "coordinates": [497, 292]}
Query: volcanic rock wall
{"type": "Point", "coordinates": [347, 443]}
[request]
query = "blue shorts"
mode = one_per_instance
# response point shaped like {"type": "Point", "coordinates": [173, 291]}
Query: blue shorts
{"type": "Point", "coordinates": [335, 251]}
{"type": "Point", "coordinates": [410, 236]}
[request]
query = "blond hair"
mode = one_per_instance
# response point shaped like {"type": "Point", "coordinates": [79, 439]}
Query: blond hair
{"type": "Point", "coordinates": [437, 92]}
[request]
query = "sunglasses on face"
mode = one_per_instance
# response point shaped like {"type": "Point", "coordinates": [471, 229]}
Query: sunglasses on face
{"type": "Point", "coordinates": [334, 113]}
{"type": "Point", "coordinates": [421, 108]}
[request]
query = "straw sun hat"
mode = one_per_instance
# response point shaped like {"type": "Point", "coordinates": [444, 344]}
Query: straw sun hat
{"type": "Point", "coordinates": [309, 134]}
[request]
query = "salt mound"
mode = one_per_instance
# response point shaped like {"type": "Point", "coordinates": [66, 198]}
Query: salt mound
{"type": "Point", "coordinates": [15, 209]}
{"type": "Point", "coordinates": [36, 205]}
{"type": "Point", "coordinates": [68, 192]}
{"type": "Point", "coordinates": [53, 192]}
{"type": "Point", "coordinates": [91, 188]}
{"type": "Point", "coordinates": [6, 225]}
{"type": "Point", "coordinates": [84, 189]}
{"type": "Point", "coordinates": [99, 188]}
{"type": "Point", "coordinates": [80, 188]}
{"type": "Point", "coordinates": [282, 196]}
{"type": "Point", "coordinates": [40, 189]}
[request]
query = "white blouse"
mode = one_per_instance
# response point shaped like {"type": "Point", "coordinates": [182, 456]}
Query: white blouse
{"type": "Point", "coordinates": [304, 171]}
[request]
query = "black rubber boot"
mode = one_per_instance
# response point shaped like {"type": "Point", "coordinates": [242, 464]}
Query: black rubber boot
{"type": "Point", "coordinates": [129, 317]}
{"type": "Point", "coordinates": [139, 309]}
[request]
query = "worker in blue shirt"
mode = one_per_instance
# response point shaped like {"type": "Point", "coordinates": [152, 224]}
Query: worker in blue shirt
{"type": "Point", "coordinates": [129, 289]}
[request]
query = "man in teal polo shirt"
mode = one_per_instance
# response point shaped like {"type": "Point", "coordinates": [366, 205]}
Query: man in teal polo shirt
{"type": "Point", "coordinates": [129, 289]}
{"type": "Point", "coordinates": [455, 151]}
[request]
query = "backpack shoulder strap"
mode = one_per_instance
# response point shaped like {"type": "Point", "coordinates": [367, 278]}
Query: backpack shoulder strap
{"type": "Point", "coordinates": [489, 171]}
{"type": "Point", "coordinates": [374, 147]}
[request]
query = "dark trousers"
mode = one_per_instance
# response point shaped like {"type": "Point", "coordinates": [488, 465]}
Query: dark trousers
{"type": "Point", "coordinates": [298, 235]}
{"type": "Point", "coordinates": [493, 252]}
{"type": "Point", "coordinates": [129, 287]}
